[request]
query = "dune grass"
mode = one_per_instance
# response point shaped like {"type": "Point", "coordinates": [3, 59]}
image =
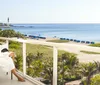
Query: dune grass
{"type": "Point", "coordinates": [95, 45]}
{"type": "Point", "coordinates": [58, 41]}
{"type": "Point", "coordinates": [89, 52]}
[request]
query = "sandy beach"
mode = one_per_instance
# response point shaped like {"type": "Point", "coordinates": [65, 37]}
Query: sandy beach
{"type": "Point", "coordinates": [74, 48]}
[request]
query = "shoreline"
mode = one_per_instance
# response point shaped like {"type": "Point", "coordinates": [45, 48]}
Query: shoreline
{"type": "Point", "coordinates": [4, 27]}
{"type": "Point", "coordinates": [78, 40]}
{"type": "Point", "coordinates": [57, 38]}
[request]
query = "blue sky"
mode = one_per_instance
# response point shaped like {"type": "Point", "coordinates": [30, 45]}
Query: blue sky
{"type": "Point", "coordinates": [50, 11]}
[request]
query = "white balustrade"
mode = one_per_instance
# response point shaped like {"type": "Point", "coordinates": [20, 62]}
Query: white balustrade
{"type": "Point", "coordinates": [24, 58]}
{"type": "Point", "coordinates": [55, 53]}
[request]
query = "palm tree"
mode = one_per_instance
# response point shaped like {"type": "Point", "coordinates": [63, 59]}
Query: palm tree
{"type": "Point", "coordinates": [96, 70]}
{"type": "Point", "coordinates": [89, 70]}
{"type": "Point", "coordinates": [29, 60]}
{"type": "Point", "coordinates": [34, 62]}
{"type": "Point", "coordinates": [48, 69]}
{"type": "Point", "coordinates": [67, 65]}
{"type": "Point", "coordinates": [39, 55]}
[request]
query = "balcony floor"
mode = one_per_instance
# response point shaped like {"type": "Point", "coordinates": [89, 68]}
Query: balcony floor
{"type": "Point", "coordinates": [6, 80]}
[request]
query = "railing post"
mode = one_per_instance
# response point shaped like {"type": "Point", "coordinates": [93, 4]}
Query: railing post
{"type": "Point", "coordinates": [55, 53]}
{"type": "Point", "coordinates": [24, 58]}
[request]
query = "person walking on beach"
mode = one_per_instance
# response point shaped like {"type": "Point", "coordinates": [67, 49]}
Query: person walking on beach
{"type": "Point", "coordinates": [7, 64]}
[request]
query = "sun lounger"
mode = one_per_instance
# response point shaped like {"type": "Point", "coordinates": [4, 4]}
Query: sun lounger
{"type": "Point", "coordinates": [82, 41]}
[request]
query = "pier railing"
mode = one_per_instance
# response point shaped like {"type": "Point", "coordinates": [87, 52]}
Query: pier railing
{"type": "Point", "coordinates": [24, 42]}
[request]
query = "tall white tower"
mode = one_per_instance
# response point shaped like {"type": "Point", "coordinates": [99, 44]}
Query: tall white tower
{"type": "Point", "coordinates": [8, 21]}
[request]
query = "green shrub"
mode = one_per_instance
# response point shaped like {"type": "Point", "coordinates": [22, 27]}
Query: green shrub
{"type": "Point", "coordinates": [95, 80]}
{"type": "Point", "coordinates": [14, 42]}
{"type": "Point", "coordinates": [83, 81]}
{"type": "Point", "coordinates": [18, 62]}
{"type": "Point", "coordinates": [10, 33]}
{"type": "Point", "coordinates": [15, 45]}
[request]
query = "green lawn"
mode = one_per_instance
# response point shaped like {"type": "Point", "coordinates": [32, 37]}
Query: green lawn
{"type": "Point", "coordinates": [95, 45]}
{"type": "Point", "coordinates": [89, 52]}
{"type": "Point", "coordinates": [34, 48]}
{"type": "Point", "coordinates": [58, 41]}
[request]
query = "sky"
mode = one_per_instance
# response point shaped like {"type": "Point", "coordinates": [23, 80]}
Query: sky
{"type": "Point", "coordinates": [50, 11]}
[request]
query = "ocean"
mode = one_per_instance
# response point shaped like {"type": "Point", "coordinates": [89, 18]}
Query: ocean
{"type": "Point", "coordinates": [89, 32]}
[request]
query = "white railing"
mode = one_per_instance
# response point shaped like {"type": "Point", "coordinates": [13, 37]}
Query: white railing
{"type": "Point", "coordinates": [24, 58]}
{"type": "Point", "coordinates": [55, 53]}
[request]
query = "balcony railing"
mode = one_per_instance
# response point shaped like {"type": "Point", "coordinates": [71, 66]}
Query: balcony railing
{"type": "Point", "coordinates": [77, 48]}
{"type": "Point", "coordinates": [24, 57]}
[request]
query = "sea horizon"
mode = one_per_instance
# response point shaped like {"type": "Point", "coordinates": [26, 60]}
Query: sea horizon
{"type": "Point", "coordinates": [82, 31]}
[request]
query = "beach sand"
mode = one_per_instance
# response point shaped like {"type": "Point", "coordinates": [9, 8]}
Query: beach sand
{"type": "Point", "coordinates": [74, 48]}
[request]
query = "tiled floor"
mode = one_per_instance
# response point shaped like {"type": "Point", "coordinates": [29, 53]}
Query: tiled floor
{"type": "Point", "coordinates": [6, 80]}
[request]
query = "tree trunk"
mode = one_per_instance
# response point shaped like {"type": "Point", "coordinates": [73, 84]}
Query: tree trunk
{"type": "Point", "coordinates": [51, 81]}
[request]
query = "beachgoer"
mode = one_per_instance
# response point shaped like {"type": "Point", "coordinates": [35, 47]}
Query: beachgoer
{"type": "Point", "coordinates": [7, 64]}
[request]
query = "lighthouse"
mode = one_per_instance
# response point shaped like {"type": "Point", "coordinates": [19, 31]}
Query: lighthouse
{"type": "Point", "coordinates": [8, 21]}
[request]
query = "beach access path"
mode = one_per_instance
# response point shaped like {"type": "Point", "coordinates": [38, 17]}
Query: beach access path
{"type": "Point", "coordinates": [74, 48]}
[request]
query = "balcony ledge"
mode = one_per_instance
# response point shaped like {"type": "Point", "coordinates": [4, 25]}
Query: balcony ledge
{"type": "Point", "coordinates": [34, 81]}
{"type": "Point", "coordinates": [6, 80]}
